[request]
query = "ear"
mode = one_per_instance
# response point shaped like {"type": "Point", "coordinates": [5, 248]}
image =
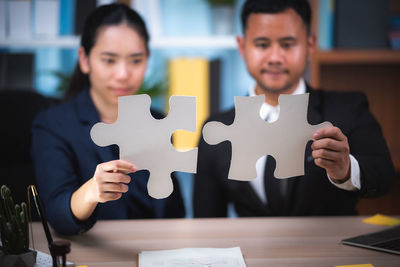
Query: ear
{"type": "Point", "coordinates": [311, 43]}
{"type": "Point", "coordinates": [240, 42]}
{"type": "Point", "coordinates": [83, 60]}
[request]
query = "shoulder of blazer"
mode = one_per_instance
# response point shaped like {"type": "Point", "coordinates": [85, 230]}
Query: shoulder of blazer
{"type": "Point", "coordinates": [66, 117]}
{"type": "Point", "coordinates": [334, 97]}
{"type": "Point", "coordinates": [340, 108]}
{"type": "Point", "coordinates": [56, 113]}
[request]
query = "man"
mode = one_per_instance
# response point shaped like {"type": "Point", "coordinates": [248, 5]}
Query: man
{"type": "Point", "coordinates": [343, 162]}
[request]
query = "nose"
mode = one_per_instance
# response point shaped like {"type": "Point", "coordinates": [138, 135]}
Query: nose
{"type": "Point", "coordinates": [275, 55]}
{"type": "Point", "coordinates": [122, 71]}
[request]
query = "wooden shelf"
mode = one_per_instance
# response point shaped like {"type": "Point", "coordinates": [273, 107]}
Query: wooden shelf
{"type": "Point", "coordinates": [213, 42]}
{"type": "Point", "coordinates": [376, 73]}
{"type": "Point", "coordinates": [182, 42]}
{"type": "Point", "coordinates": [385, 56]}
{"type": "Point", "coordinates": [350, 57]}
{"type": "Point", "coordinates": [32, 43]}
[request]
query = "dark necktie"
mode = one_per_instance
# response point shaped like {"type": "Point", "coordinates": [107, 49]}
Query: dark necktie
{"type": "Point", "coordinates": [273, 188]}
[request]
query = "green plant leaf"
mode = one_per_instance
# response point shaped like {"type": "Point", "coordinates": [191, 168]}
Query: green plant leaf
{"type": "Point", "coordinates": [14, 232]}
{"type": "Point", "coordinates": [153, 90]}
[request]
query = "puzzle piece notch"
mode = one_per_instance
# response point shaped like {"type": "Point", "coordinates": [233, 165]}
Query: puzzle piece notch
{"type": "Point", "coordinates": [215, 132]}
{"type": "Point", "coordinates": [146, 141]}
{"type": "Point", "coordinates": [284, 139]}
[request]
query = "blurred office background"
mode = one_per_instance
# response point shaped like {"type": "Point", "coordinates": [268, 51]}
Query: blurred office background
{"type": "Point", "coordinates": [194, 52]}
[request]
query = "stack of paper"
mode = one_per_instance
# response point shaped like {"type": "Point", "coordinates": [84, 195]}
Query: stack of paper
{"type": "Point", "coordinates": [194, 257]}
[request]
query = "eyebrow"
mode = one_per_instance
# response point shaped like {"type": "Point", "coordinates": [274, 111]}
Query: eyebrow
{"type": "Point", "coordinates": [260, 39]}
{"type": "Point", "coordinates": [288, 38]}
{"type": "Point", "coordinates": [140, 54]}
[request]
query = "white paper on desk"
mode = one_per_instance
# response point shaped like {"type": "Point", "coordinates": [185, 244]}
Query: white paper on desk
{"type": "Point", "coordinates": [193, 257]}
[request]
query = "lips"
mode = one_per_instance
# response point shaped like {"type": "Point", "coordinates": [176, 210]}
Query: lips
{"type": "Point", "coordinates": [275, 72]}
{"type": "Point", "coordinates": [121, 91]}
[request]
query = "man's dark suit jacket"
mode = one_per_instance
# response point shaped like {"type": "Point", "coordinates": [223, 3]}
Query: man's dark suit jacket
{"type": "Point", "coordinates": [311, 194]}
{"type": "Point", "coordinates": [65, 157]}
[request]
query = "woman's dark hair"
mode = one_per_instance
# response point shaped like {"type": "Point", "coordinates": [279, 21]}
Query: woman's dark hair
{"type": "Point", "coordinates": [302, 8]}
{"type": "Point", "coordinates": [107, 15]}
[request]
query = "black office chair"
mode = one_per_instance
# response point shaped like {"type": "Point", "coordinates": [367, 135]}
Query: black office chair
{"type": "Point", "coordinates": [18, 109]}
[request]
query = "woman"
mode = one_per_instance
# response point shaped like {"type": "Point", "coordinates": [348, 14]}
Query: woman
{"type": "Point", "coordinates": [78, 181]}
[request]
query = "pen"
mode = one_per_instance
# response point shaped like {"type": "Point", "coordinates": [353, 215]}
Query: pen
{"type": "Point", "coordinates": [42, 215]}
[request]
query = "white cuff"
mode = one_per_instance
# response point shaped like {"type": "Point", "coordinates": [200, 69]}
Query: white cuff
{"type": "Point", "coordinates": [352, 184]}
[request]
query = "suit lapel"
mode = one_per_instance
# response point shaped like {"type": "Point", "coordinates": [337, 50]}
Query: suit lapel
{"type": "Point", "coordinates": [314, 115]}
{"type": "Point", "coordinates": [244, 194]}
{"type": "Point", "coordinates": [88, 116]}
{"type": "Point", "coordinates": [254, 198]}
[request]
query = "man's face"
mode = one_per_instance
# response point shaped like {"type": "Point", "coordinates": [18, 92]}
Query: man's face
{"type": "Point", "coordinates": [276, 48]}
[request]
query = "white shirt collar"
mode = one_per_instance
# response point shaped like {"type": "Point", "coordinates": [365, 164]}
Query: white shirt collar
{"type": "Point", "coordinates": [272, 112]}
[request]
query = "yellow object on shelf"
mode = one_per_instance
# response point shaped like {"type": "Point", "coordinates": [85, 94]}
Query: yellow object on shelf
{"type": "Point", "coordinates": [190, 77]}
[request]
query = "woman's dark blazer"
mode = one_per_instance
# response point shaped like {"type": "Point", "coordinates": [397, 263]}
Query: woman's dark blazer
{"type": "Point", "coordinates": [65, 157]}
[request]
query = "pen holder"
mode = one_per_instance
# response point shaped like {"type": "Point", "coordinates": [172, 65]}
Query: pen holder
{"type": "Point", "coordinates": [59, 250]}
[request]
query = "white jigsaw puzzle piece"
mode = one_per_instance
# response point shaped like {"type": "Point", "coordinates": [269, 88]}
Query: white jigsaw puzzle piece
{"type": "Point", "coordinates": [146, 141]}
{"type": "Point", "coordinates": [252, 137]}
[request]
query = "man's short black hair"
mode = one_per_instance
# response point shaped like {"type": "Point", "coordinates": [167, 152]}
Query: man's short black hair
{"type": "Point", "coordinates": [302, 8]}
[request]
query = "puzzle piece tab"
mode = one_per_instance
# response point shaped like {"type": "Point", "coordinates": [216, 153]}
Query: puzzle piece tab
{"type": "Point", "coordinates": [146, 141]}
{"type": "Point", "coordinates": [252, 137]}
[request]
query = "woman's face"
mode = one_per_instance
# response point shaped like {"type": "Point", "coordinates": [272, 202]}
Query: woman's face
{"type": "Point", "coordinates": [116, 64]}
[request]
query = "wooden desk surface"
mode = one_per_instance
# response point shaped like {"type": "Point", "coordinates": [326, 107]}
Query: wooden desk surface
{"type": "Point", "coordinates": [274, 242]}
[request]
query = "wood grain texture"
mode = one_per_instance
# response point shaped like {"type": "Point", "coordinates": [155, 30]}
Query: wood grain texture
{"type": "Point", "coordinates": [282, 242]}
